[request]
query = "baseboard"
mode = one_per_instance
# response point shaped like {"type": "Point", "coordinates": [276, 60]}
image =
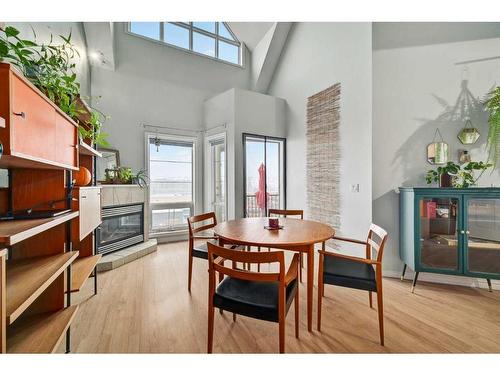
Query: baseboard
{"type": "Point", "coordinates": [445, 279]}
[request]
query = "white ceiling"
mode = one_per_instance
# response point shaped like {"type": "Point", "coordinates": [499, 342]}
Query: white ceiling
{"type": "Point", "coordinates": [250, 33]}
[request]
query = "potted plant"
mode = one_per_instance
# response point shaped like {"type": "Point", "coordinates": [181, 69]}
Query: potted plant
{"type": "Point", "coordinates": [51, 68]}
{"type": "Point", "coordinates": [141, 179]}
{"type": "Point", "coordinates": [443, 175]}
{"type": "Point", "coordinates": [452, 175]}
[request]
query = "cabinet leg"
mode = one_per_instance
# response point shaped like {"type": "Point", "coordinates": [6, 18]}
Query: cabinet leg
{"type": "Point", "coordinates": [489, 285]}
{"type": "Point", "coordinates": [403, 274]}
{"type": "Point", "coordinates": [414, 282]}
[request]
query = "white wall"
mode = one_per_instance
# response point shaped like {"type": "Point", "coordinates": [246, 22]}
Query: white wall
{"type": "Point", "coordinates": [43, 31]}
{"type": "Point", "coordinates": [157, 85]}
{"type": "Point", "coordinates": [242, 111]}
{"type": "Point", "coordinates": [412, 87]}
{"type": "Point", "coordinates": [316, 56]}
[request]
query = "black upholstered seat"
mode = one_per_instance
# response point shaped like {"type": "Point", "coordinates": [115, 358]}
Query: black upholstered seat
{"type": "Point", "coordinates": [200, 249]}
{"type": "Point", "coordinates": [349, 273]}
{"type": "Point", "coordinates": [255, 299]}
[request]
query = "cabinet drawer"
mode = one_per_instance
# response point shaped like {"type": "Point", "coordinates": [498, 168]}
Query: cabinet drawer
{"type": "Point", "coordinates": [90, 210]}
{"type": "Point", "coordinates": [66, 151]}
{"type": "Point", "coordinates": [33, 123]}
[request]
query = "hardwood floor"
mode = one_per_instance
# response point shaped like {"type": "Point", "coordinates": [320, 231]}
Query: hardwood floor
{"type": "Point", "coordinates": [144, 307]}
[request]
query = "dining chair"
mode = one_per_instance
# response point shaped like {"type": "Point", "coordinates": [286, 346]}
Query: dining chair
{"type": "Point", "coordinates": [287, 213]}
{"type": "Point", "coordinates": [202, 232]}
{"type": "Point", "coordinates": [264, 296]}
{"type": "Point", "coordinates": [355, 272]}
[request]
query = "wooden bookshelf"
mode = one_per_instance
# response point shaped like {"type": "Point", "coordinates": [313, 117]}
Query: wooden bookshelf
{"type": "Point", "coordinates": [14, 231]}
{"type": "Point", "coordinates": [81, 270]}
{"type": "Point", "coordinates": [40, 333]}
{"type": "Point", "coordinates": [3, 322]}
{"type": "Point", "coordinates": [85, 149]}
{"type": "Point", "coordinates": [28, 278]}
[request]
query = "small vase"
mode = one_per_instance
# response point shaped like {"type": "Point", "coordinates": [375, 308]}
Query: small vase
{"type": "Point", "coordinates": [444, 180]}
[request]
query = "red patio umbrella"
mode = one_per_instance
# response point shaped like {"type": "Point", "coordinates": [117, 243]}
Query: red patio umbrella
{"type": "Point", "coordinates": [260, 195]}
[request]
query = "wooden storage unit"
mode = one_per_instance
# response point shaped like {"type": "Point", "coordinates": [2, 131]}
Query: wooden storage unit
{"type": "Point", "coordinates": [35, 133]}
{"type": "Point", "coordinates": [3, 303]}
{"type": "Point", "coordinates": [43, 262]}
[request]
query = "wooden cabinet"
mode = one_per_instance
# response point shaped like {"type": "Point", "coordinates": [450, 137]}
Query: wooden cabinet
{"type": "Point", "coordinates": [37, 134]}
{"type": "Point", "coordinates": [89, 206]}
{"type": "Point", "coordinates": [451, 231]}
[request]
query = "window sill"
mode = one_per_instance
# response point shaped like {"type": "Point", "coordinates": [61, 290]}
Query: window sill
{"type": "Point", "coordinates": [171, 236]}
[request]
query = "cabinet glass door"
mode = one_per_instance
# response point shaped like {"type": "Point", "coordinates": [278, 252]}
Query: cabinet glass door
{"type": "Point", "coordinates": [483, 236]}
{"type": "Point", "coordinates": [439, 242]}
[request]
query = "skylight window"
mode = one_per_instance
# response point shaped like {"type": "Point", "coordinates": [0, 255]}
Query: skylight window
{"type": "Point", "coordinates": [213, 39]}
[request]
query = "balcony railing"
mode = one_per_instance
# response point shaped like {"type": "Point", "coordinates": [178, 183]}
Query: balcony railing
{"type": "Point", "coordinates": [253, 210]}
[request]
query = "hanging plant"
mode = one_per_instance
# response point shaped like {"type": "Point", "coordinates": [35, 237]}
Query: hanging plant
{"type": "Point", "coordinates": [51, 68]}
{"type": "Point", "coordinates": [492, 105]}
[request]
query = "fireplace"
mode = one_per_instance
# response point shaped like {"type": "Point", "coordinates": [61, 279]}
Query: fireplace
{"type": "Point", "coordinates": [122, 226]}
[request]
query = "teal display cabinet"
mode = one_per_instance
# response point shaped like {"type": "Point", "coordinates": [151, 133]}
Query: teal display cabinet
{"type": "Point", "coordinates": [450, 231]}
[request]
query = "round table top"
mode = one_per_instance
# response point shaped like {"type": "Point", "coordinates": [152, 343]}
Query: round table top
{"type": "Point", "coordinates": [295, 232]}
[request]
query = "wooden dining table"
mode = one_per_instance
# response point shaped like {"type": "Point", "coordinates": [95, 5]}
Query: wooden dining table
{"type": "Point", "coordinates": [296, 235]}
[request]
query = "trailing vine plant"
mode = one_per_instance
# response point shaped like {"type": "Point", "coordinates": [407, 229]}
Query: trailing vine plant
{"type": "Point", "coordinates": [51, 68]}
{"type": "Point", "coordinates": [492, 105]}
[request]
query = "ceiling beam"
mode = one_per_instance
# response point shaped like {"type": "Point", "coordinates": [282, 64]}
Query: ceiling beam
{"type": "Point", "coordinates": [266, 55]}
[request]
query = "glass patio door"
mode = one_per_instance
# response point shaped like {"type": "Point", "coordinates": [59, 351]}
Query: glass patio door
{"type": "Point", "coordinates": [217, 176]}
{"type": "Point", "coordinates": [264, 174]}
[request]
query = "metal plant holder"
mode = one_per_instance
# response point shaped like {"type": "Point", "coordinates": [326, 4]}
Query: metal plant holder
{"type": "Point", "coordinates": [469, 134]}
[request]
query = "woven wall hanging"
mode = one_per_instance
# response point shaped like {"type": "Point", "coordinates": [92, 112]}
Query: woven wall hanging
{"type": "Point", "coordinates": [323, 156]}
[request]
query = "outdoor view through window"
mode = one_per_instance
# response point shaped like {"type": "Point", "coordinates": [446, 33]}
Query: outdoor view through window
{"type": "Point", "coordinates": [171, 189]}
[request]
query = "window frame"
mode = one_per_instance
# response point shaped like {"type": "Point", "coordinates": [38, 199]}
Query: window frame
{"type": "Point", "coordinates": [172, 138]}
{"type": "Point", "coordinates": [191, 28]}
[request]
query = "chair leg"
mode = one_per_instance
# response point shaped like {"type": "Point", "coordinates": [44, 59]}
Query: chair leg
{"type": "Point", "coordinates": [301, 261]}
{"type": "Point", "coordinates": [190, 272]}
{"type": "Point", "coordinates": [210, 329]}
{"type": "Point", "coordinates": [380, 309]}
{"type": "Point", "coordinates": [297, 313]}
{"type": "Point", "coordinates": [321, 290]}
{"type": "Point", "coordinates": [370, 298]}
{"type": "Point", "coordinates": [282, 335]}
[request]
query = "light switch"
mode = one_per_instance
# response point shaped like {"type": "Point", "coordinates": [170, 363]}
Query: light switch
{"type": "Point", "coordinates": [355, 188]}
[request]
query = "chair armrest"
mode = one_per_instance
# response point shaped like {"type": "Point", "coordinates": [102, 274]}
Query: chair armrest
{"type": "Point", "coordinates": [293, 270]}
{"type": "Point", "coordinates": [356, 259]}
{"type": "Point", "coordinates": [349, 240]}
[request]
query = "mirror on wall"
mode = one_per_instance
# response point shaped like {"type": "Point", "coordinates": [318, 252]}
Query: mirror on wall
{"type": "Point", "coordinates": [110, 160]}
{"type": "Point", "coordinates": [437, 151]}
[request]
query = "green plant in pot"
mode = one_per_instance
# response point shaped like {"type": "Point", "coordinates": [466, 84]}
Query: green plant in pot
{"type": "Point", "coordinates": [51, 68]}
{"type": "Point", "coordinates": [452, 175]}
{"type": "Point", "coordinates": [141, 179]}
{"type": "Point", "coordinates": [443, 175]}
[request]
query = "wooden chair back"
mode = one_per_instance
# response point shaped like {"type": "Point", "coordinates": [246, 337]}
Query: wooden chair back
{"type": "Point", "coordinates": [218, 255]}
{"type": "Point", "coordinates": [375, 242]}
{"type": "Point", "coordinates": [202, 218]}
{"type": "Point", "coordinates": [286, 213]}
